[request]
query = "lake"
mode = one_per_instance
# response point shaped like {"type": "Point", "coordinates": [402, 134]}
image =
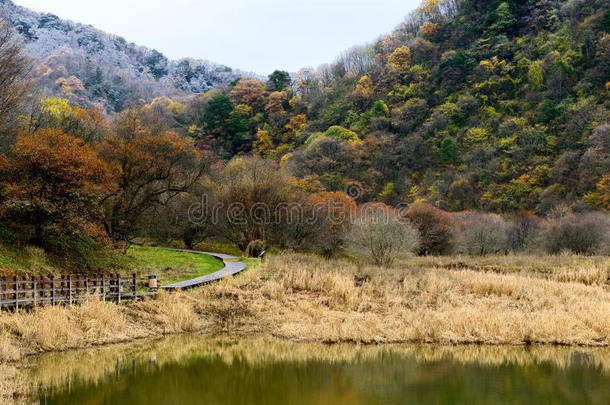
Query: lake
{"type": "Point", "coordinates": [231, 370]}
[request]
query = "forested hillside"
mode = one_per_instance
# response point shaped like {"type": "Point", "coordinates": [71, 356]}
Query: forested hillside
{"type": "Point", "coordinates": [92, 68]}
{"type": "Point", "coordinates": [500, 107]}
{"type": "Point", "coordinates": [495, 105]}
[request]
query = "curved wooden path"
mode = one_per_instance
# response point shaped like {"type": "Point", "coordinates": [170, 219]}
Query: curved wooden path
{"type": "Point", "coordinates": [233, 266]}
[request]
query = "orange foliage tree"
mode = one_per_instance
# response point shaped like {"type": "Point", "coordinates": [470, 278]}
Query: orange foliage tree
{"type": "Point", "coordinates": [54, 184]}
{"type": "Point", "coordinates": [249, 92]}
{"type": "Point", "coordinates": [149, 167]}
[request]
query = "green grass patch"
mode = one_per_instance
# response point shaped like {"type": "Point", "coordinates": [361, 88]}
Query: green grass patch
{"type": "Point", "coordinates": [218, 247]}
{"type": "Point", "coordinates": [251, 262]}
{"type": "Point", "coordinates": [169, 266]}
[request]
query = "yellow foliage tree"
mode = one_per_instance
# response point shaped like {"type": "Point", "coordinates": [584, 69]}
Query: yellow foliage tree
{"type": "Point", "coordinates": [364, 88]}
{"type": "Point", "coordinates": [263, 143]}
{"type": "Point", "coordinates": [600, 198]}
{"type": "Point", "coordinates": [88, 124]}
{"type": "Point", "coordinates": [400, 59]}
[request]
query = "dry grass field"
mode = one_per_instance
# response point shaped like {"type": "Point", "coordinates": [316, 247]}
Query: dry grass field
{"type": "Point", "coordinates": [500, 300]}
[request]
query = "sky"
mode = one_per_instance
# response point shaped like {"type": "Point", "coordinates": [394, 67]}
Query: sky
{"type": "Point", "coordinates": [256, 36]}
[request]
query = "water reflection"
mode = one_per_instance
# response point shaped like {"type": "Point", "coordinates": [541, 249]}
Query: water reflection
{"type": "Point", "coordinates": [191, 369]}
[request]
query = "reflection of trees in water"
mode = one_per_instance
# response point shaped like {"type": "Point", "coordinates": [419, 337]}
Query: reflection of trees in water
{"type": "Point", "coordinates": [316, 373]}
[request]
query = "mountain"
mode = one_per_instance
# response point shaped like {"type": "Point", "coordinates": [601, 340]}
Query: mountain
{"type": "Point", "coordinates": [499, 105]}
{"type": "Point", "coordinates": [91, 67]}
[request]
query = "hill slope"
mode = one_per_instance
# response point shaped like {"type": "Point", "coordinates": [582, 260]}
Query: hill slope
{"type": "Point", "coordinates": [494, 105]}
{"type": "Point", "coordinates": [91, 67]}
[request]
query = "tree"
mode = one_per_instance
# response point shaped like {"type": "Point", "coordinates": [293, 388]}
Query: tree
{"type": "Point", "coordinates": [341, 133]}
{"type": "Point", "coordinates": [279, 80]}
{"type": "Point", "coordinates": [54, 185]}
{"type": "Point", "coordinates": [522, 230]}
{"type": "Point", "coordinates": [454, 69]}
{"type": "Point", "coordinates": [582, 234]}
{"type": "Point", "coordinates": [400, 59]}
{"type": "Point", "coordinates": [605, 22]}
{"type": "Point", "coordinates": [14, 69]}
{"type": "Point", "coordinates": [216, 115]}
{"type": "Point", "coordinates": [157, 64]}
{"type": "Point", "coordinates": [276, 102]}
{"type": "Point", "coordinates": [150, 169]}
{"type": "Point", "coordinates": [504, 18]}
{"type": "Point", "coordinates": [249, 92]}
{"type": "Point", "coordinates": [449, 151]}
{"type": "Point", "coordinates": [382, 236]}
{"type": "Point", "coordinates": [250, 192]}
{"type": "Point", "coordinates": [89, 124]}
{"type": "Point", "coordinates": [435, 228]}
{"type": "Point", "coordinates": [482, 234]}
{"type": "Point", "coordinates": [600, 198]}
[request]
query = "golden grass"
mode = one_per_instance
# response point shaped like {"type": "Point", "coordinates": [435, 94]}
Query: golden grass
{"type": "Point", "coordinates": [308, 298]}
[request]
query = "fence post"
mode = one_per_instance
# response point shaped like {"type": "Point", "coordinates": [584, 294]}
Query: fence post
{"type": "Point", "coordinates": [103, 287]}
{"type": "Point", "coordinates": [60, 289]}
{"type": "Point", "coordinates": [118, 277]}
{"type": "Point", "coordinates": [16, 289]}
{"type": "Point", "coordinates": [135, 290]}
{"type": "Point", "coordinates": [87, 288]}
{"type": "Point", "coordinates": [34, 289]}
{"type": "Point", "coordinates": [43, 294]}
{"type": "Point", "coordinates": [52, 281]}
{"type": "Point", "coordinates": [70, 289]}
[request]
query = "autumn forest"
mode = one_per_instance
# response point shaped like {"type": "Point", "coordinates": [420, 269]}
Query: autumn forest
{"type": "Point", "coordinates": [486, 115]}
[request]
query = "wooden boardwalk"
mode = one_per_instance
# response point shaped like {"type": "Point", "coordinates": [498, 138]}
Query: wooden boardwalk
{"type": "Point", "coordinates": [18, 293]}
{"type": "Point", "coordinates": [233, 265]}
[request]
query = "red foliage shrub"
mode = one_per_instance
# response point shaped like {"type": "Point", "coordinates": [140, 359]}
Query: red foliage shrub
{"type": "Point", "coordinates": [435, 228]}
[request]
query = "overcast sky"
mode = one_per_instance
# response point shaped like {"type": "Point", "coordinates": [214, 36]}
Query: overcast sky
{"type": "Point", "coordinates": [258, 36]}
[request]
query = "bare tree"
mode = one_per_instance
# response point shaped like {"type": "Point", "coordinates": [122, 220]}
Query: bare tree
{"type": "Point", "coordinates": [14, 70]}
{"type": "Point", "coordinates": [482, 234]}
{"type": "Point", "coordinates": [382, 236]}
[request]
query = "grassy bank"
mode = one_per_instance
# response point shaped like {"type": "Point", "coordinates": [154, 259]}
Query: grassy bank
{"type": "Point", "coordinates": [169, 266]}
{"type": "Point", "coordinates": [308, 298]}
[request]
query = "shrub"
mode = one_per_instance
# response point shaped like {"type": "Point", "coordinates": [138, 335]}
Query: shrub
{"type": "Point", "coordinates": [255, 248]}
{"type": "Point", "coordinates": [522, 230]}
{"type": "Point", "coordinates": [382, 236]}
{"type": "Point", "coordinates": [482, 234]}
{"type": "Point", "coordinates": [341, 133]}
{"type": "Point", "coordinates": [578, 233]}
{"type": "Point", "coordinates": [435, 228]}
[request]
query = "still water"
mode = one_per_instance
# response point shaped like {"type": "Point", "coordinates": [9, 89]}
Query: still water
{"type": "Point", "coordinates": [196, 370]}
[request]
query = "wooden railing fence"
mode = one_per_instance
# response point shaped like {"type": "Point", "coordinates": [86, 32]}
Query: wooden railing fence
{"type": "Point", "coordinates": [18, 293]}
